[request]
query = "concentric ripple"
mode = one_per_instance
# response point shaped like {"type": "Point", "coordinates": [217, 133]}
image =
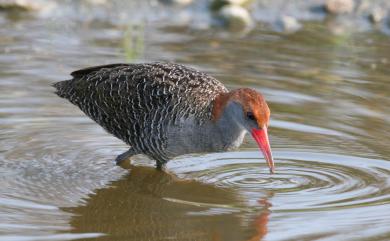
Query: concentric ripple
{"type": "Point", "coordinates": [303, 180]}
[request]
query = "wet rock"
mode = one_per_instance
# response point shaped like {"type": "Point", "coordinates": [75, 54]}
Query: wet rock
{"type": "Point", "coordinates": [238, 2]}
{"type": "Point", "coordinates": [377, 15]}
{"type": "Point", "coordinates": [339, 6]}
{"type": "Point", "coordinates": [26, 5]}
{"type": "Point", "coordinates": [235, 17]}
{"type": "Point", "coordinates": [288, 24]}
{"type": "Point", "coordinates": [218, 4]}
{"type": "Point", "coordinates": [19, 4]}
{"type": "Point", "coordinates": [363, 7]}
{"type": "Point", "coordinates": [176, 2]}
{"type": "Point", "coordinates": [97, 2]}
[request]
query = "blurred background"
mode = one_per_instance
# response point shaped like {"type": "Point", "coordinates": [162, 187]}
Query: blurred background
{"type": "Point", "coordinates": [323, 66]}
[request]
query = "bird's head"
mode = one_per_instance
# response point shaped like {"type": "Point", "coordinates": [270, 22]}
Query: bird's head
{"type": "Point", "coordinates": [248, 109]}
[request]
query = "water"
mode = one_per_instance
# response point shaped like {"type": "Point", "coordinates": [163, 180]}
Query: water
{"type": "Point", "coordinates": [329, 97]}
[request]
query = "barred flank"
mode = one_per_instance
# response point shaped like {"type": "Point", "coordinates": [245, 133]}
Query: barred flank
{"type": "Point", "coordinates": [137, 102]}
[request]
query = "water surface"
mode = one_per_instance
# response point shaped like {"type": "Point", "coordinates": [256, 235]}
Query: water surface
{"type": "Point", "coordinates": [330, 103]}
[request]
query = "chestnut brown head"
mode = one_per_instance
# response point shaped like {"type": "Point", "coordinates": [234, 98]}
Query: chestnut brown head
{"type": "Point", "coordinates": [251, 112]}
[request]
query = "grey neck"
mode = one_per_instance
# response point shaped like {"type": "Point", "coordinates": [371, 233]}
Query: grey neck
{"type": "Point", "coordinates": [229, 125]}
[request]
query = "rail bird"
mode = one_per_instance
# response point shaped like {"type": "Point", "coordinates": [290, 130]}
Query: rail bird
{"type": "Point", "coordinates": [164, 110]}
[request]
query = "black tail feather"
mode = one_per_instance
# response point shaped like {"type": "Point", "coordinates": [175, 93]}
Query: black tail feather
{"type": "Point", "coordinates": [63, 88]}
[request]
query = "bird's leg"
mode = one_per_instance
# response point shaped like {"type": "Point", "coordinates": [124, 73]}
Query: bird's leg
{"type": "Point", "coordinates": [124, 156]}
{"type": "Point", "coordinates": [160, 165]}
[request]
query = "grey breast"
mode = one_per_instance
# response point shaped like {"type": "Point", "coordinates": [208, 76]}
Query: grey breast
{"type": "Point", "coordinates": [139, 102]}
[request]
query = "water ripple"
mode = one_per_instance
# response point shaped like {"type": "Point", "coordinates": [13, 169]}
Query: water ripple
{"type": "Point", "coordinates": [308, 180]}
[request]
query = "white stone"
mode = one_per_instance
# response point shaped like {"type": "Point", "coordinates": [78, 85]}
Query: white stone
{"type": "Point", "coordinates": [30, 5]}
{"type": "Point", "coordinates": [339, 6]}
{"type": "Point", "coordinates": [288, 24]}
{"type": "Point", "coordinates": [177, 2]}
{"type": "Point", "coordinates": [235, 16]}
{"type": "Point", "coordinates": [377, 15]}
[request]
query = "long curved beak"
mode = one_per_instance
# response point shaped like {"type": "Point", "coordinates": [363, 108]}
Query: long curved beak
{"type": "Point", "coordinates": [261, 137]}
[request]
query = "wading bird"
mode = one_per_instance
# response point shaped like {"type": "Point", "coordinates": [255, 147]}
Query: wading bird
{"type": "Point", "coordinates": [164, 110]}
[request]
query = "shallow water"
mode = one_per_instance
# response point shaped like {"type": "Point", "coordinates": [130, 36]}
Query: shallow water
{"type": "Point", "coordinates": [330, 103]}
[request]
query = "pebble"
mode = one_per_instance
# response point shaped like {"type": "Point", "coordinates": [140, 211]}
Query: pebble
{"type": "Point", "coordinates": [177, 2]}
{"type": "Point", "coordinates": [27, 5]}
{"type": "Point", "coordinates": [19, 4]}
{"type": "Point", "coordinates": [237, 2]}
{"type": "Point", "coordinates": [97, 2]}
{"type": "Point", "coordinates": [377, 15]}
{"type": "Point", "coordinates": [339, 6]}
{"type": "Point", "coordinates": [218, 4]}
{"type": "Point", "coordinates": [288, 24]}
{"type": "Point", "coordinates": [235, 16]}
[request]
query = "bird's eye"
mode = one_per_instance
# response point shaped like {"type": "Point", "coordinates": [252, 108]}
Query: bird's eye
{"type": "Point", "coordinates": [250, 116]}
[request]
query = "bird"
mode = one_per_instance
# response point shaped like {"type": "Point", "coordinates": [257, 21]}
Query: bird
{"type": "Point", "coordinates": [164, 110]}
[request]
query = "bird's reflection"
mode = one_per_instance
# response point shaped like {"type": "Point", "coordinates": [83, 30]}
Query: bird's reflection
{"type": "Point", "coordinates": [260, 222]}
{"type": "Point", "coordinates": [148, 204]}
